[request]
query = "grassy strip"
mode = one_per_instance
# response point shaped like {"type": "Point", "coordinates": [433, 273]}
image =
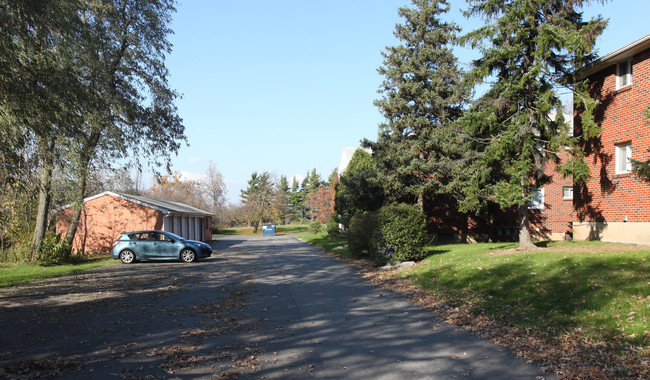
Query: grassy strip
{"type": "Point", "coordinates": [19, 273]}
{"type": "Point", "coordinates": [596, 290]}
{"type": "Point", "coordinates": [280, 230]}
{"type": "Point", "coordinates": [328, 243]}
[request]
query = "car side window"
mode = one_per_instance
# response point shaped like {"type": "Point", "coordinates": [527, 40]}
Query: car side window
{"type": "Point", "coordinates": [134, 236]}
{"type": "Point", "coordinates": [152, 236]}
{"type": "Point", "coordinates": [164, 237]}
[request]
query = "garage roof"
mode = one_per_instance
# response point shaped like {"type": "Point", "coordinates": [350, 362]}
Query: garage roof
{"type": "Point", "coordinates": [163, 206]}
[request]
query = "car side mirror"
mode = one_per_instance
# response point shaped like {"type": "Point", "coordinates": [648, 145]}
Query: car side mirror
{"type": "Point", "coordinates": [172, 241]}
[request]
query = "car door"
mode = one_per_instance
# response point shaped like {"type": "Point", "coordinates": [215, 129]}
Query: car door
{"type": "Point", "coordinates": [155, 245]}
{"type": "Point", "coordinates": [146, 245]}
{"type": "Point", "coordinates": [137, 244]}
{"type": "Point", "coordinates": [168, 247]}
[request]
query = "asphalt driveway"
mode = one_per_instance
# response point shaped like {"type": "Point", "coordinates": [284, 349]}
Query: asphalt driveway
{"type": "Point", "coordinates": [261, 307]}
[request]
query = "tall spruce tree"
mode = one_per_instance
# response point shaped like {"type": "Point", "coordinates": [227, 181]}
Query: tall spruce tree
{"type": "Point", "coordinates": [281, 200]}
{"type": "Point", "coordinates": [296, 200]}
{"type": "Point", "coordinates": [531, 49]}
{"type": "Point", "coordinates": [315, 181]}
{"type": "Point", "coordinates": [421, 97]}
{"type": "Point", "coordinates": [258, 199]}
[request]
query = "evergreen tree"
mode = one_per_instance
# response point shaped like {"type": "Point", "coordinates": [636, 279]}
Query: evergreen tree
{"type": "Point", "coordinates": [315, 181]}
{"type": "Point", "coordinates": [304, 195]}
{"type": "Point", "coordinates": [359, 188]}
{"type": "Point", "coordinates": [333, 179]}
{"type": "Point", "coordinates": [421, 98]}
{"type": "Point", "coordinates": [281, 200]}
{"type": "Point", "coordinates": [296, 201]}
{"type": "Point", "coordinates": [258, 199]}
{"type": "Point", "coordinates": [530, 48]}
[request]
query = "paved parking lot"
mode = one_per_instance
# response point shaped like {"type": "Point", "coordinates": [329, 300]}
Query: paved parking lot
{"type": "Point", "coordinates": [261, 307]}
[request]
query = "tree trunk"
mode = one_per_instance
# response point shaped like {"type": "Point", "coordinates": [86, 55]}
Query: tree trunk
{"type": "Point", "coordinates": [525, 240]}
{"type": "Point", "coordinates": [77, 208]}
{"type": "Point", "coordinates": [46, 158]}
{"type": "Point", "coordinates": [421, 201]}
{"type": "Point", "coordinates": [87, 151]}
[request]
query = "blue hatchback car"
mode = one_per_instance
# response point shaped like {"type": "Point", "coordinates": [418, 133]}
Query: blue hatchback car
{"type": "Point", "coordinates": [158, 245]}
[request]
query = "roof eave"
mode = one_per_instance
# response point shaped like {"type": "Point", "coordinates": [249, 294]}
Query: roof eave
{"type": "Point", "coordinates": [618, 55]}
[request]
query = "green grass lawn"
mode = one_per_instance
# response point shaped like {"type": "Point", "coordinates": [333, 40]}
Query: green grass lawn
{"type": "Point", "coordinates": [289, 229]}
{"type": "Point", "coordinates": [598, 290]}
{"type": "Point", "coordinates": [328, 243]}
{"type": "Point", "coordinates": [19, 273]}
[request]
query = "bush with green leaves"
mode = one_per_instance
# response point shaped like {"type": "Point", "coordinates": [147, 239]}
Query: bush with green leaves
{"type": "Point", "coordinates": [315, 227]}
{"type": "Point", "coordinates": [53, 250]}
{"type": "Point", "coordinates": [333, 228]}
{"type": "Point", "coordinates": [400, 234]}
{"type": "Point", "coordinates": [361, 230]}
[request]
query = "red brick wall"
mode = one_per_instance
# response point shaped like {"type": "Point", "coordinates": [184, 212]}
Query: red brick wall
{"type": "Point", "coordinates": [555, 219]}
{"type": "Point", "coordinates": [447, 223]}
{"type": "Point", "coordinates": [104, 219]}
{"type": "Point", "coordinates": [609, 197]}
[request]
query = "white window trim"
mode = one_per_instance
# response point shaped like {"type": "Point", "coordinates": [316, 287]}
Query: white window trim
{"type": "Point", "coordinates": [628, 75]}
{"type": "Point", "coordinates": [537, 201]}
{"type": "Point", "coordinates": [564, 189]}
{"type": "Point", "coordinates": [623, 167]}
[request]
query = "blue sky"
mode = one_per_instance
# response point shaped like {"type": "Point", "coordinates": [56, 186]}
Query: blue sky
{"type": "Point", "coordinates": [282, 86]}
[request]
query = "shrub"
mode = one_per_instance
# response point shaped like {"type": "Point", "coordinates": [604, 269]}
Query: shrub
{"type": "Point", "coordinates": [333, 228]}
{"type": "Point", "coordinates": [17, 253]}
{"type": "Point", "coordinates": [315, 227]}
{"type": "Point", "coordinates": [361, 231]}
{"type": "Point", "coordinates": [53, 251]}
{"type": "Point", "coordinates": [400, 234]}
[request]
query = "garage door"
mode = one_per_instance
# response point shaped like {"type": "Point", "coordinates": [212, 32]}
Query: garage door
{"type": "Point", "coordinates": [191, 234]}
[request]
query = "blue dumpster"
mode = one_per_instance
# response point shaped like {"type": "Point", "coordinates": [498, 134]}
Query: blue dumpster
{"type": "Point", "coordinates": [268, 229]}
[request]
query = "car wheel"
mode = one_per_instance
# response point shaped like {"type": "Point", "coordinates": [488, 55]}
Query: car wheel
{"type": "Point", "coordinates": [188, 255]}
{"type": "Point", "coordinates": [127, 256]}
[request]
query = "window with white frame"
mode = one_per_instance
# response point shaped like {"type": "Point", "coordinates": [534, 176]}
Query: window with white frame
{"type": "Point", "coordinates": [537, 201]}
{"type": "Point", "coordinates": [623, 156]}
{"type": "Point", "coordinates": [624, 74]}
{"type": "Point", "coordinates": [567, 192]}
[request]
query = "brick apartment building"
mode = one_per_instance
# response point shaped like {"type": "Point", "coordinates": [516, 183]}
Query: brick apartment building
{"type": "Point", "coordinates": [614, 205]}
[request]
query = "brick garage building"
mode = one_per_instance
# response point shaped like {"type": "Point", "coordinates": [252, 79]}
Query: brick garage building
{"type": "Point", "coordinates": [108, 214]}
{"type": "Point", "coordinates": [614, 205]}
